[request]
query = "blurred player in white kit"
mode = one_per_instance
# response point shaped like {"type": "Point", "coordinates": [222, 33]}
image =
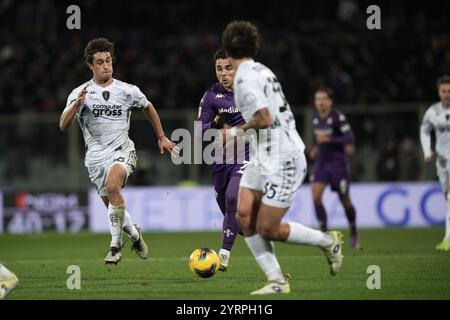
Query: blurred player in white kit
{"type": "Point", "coordinates": [437, 118]}
{"type": "Point", "coordinates": [8, 281]}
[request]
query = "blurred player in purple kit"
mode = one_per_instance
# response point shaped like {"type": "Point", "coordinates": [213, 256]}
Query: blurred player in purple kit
{"type": "Point", "coordinates": [334, 140]}
{"type": "Point", "coordinates": [217, 108]}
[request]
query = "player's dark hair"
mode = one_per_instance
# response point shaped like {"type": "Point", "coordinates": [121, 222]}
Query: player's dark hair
{"type": "Point", "coordinates": [220, 54]}
{"type": "Point", "coordinates": [327, 90]}
{"type": "Point", "coordinates": [241, 40]}
{"type": "Point", "coordinates": [97, 45]}
{"type": "Point", "coordinates": [445, 79]}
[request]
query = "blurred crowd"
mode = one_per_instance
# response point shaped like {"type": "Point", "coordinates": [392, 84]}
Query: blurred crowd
{"type": "Point", "coordinates": [166, 48]}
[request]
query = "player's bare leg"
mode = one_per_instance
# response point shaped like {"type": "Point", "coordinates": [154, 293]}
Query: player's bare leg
{"type": "Point", "coordinates": [248, 205]}
{"type": "Point", "coordinates": [351, 218]}
{"type": "Point", "coordinates": [116, 211]}
{"type": "Point", "coordinates": [270, 227]}
{"type": "Point", "coordinates": [248, 209]}
{"type": "Point", "coordinates": [317, 191]}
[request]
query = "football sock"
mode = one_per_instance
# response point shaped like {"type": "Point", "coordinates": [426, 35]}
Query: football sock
{"type": "Point", "coordinates": [321, 215]}
{"type": "Point", "coordinates": [351, 217]}
{"type": "Point", "coordinates": [116, 216]}
{"type": "Point", "coordinates": [447, 221]}
{"type": "Point", "coordinates": [301, 234]}
{"type": "Point", "coordinates": [263, 252]}
{"type": "Point", "coordinates": [129, 228]}
{"type": "Point", "coordinates": [230, 227]}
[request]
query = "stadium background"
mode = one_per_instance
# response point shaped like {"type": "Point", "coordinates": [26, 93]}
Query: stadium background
{"type": "Point", "coordinates": [383, 81]}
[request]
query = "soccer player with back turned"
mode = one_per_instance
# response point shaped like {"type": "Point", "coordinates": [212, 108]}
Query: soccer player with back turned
{"type": "Point", "coordinates": [277, 164]}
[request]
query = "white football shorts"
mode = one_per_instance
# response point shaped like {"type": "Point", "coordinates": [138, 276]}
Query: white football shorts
{"type": "Point", "coordinates": [126, 157]}
{"type": "Point", "coordinates": [279, 188]}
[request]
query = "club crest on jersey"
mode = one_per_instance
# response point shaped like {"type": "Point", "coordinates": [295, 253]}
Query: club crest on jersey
{"type": "Point", "coordinates": [105, 95]}
{"type": "Point", "coordinates": [447, 116]}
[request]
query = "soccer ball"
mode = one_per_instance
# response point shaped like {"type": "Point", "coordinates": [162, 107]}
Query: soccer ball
{"type": "Point", "coordinates": [204, 262]}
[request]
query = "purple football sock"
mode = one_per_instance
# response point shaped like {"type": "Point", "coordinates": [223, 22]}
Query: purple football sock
{"type": "Point", "coordinates": [321, 215]}
{"type": "Point", "coordinates": [230, 227]}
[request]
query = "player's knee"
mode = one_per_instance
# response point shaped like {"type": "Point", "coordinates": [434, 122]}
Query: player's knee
{"type": "Point", "coordinates": [346, 202]}
{"type": "Point", "coordinates": [267, 231]}
{"type": "Point", "coordinates": [243, 220]}
{"type": "Point", "coordinates": [112, 188]}
{"type": "Point", "coordinates": [317, 199]}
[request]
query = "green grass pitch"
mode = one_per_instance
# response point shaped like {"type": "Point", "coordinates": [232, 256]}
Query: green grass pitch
{"type": "Point", "coordinates": [410, 268]}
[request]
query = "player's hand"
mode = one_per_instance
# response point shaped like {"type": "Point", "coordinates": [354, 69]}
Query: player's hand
{"type": "Point", "coordinates": [225, 133]}
{"type": "Point", "coordinates": [82, 95]}
{"type": "Point", "coordinates": [349, 150]}
{"type": "Point", "coordinates": [166, 144]}
{"type": "Point", "coordinates": [313, 153]}
{"type": "Point", "coordinates": [221, 119]}
{"type": "Point", "coordinates": [429, 158]}
{"type": "Point", "coordinates": [322, 138]}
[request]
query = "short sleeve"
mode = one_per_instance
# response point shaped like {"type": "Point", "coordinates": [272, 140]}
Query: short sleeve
{"type": "Point", "coordinates": [252, 95]}
{"type": "Point", "coordinates": [72, 97]}
{"type": "Point", "coordinates": [344, 126]}
{"type": "Point", "coordinates": [139, 100]}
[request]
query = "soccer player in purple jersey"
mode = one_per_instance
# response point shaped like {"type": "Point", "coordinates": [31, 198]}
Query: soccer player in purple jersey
{"type": "Point", "coordinates": [334, 140]}
{"type": "Point", "coordinates": [217, 108]}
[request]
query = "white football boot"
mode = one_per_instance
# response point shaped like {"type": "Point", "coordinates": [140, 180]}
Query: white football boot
{"type": "Point", "coordinates": [140, 246]}
{"type": "Point", "coordinates": [224, 256]}
{"type": "Point", "coordinates": [114, 256]}
{"type": "Point", "coordinates": [8, 281]}
{"type": "Point", "coordinates": [334, 252]}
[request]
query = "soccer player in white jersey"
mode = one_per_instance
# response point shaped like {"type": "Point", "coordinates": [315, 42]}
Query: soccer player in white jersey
{"type": "Point", "coordinates": [102, 107]}
{"type": "Point", "coordinates": [8, 281]}
{"type": "Point", "coordinates": [437, 118]}
{"type": "Point", "coordinates": [277, 163]}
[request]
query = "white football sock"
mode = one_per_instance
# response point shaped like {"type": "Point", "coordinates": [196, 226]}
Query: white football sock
{"type": "Point", "coordinates": [447, 221]}
{"type": "Point", "coordinates": [263, 252]}
{"type": "Point", "coordinates": [116, 216]}
{"type": "Point", "coordinates": [129, 228]}
{"type": "Point", "coordinates": [301, 234]}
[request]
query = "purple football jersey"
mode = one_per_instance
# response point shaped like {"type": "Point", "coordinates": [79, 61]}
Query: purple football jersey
{"type": "Point", "coordinates": [336, 126]}
{"type": "Point", "coordinates": [219, 101]}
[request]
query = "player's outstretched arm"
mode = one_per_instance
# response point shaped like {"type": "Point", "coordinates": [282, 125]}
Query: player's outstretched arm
{"type": "Point", "coordinates": [163, 142]}
{"type": "Point", "coordinates": [69, 113]}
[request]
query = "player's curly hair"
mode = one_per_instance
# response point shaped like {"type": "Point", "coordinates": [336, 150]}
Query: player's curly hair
{"type": "Point", "coordinates": [240, 39]}
{"type": "Point", "coordinates": [97, 45]}
{"type": "Point", "coordinates": [445, 79]}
